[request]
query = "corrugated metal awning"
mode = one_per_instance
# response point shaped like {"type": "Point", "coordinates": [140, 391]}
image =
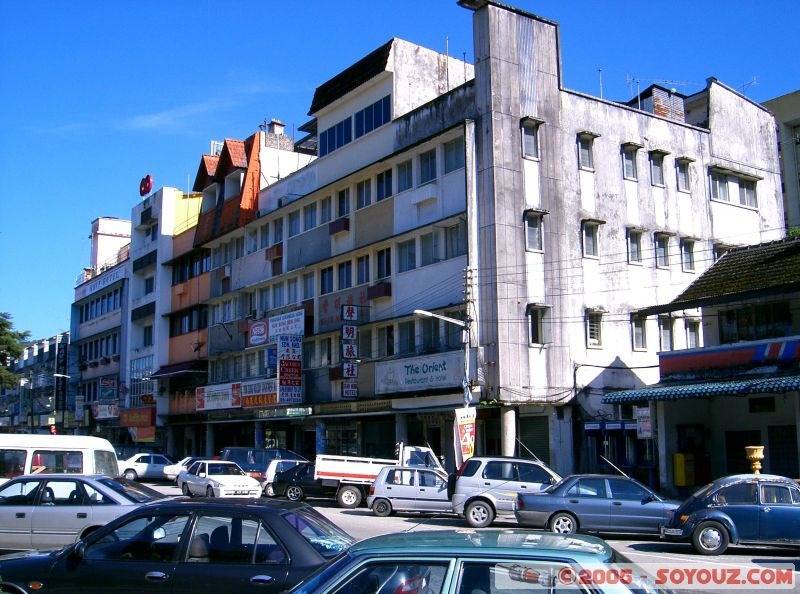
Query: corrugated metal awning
{"type": "Point", "coordinates": [740, 387]}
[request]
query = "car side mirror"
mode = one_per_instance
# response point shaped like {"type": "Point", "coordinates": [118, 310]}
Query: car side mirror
{"type": "Point", "coordinates": [201, 474]}
{"type": "Point", "coordinates": [647, 499]}
{"type": "Point", "coordinates": [78, 551]}
{"type": "Point", "coordinates": [553, 480]}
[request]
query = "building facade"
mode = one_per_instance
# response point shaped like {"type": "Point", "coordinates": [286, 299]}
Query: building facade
{"type": "Point", "coordinates": [787, 118]}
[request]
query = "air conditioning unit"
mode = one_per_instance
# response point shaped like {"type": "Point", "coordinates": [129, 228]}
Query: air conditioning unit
{"type": "Point", "coordinates": [226, 271]}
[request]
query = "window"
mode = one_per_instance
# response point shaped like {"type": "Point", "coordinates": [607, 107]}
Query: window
{"type": "Point", "coordinates": [335, 137]}
{"type": "Point", "coordinates": [665, 334]}
{"type": "Point", "coordinates": [149, 285]}
{"type": "Point", "coordinates": [454, 154]}
{"type": "Point", "coordinates": [277, 295]}
{"type": "Point", "coordinates": [384, 263]}
{"type": "Point", "coordinates": [345, 270]}
{"type": "Point", "coordinates": [629, 161]}
{"type": "Point", "coordinates": [363, 193]}
{"type": "Point", "coordinates": [395, 576]}
{"type": "Point", "coordinates": [533, 231]}
{"type": "Point", "coordinates": [591, 248]}
{"type": "Point", "coordinates": [326, 280]}
{"type": "Point", "coordinates": [365, 343]}
{"type": "Point", "coordinates": [386, 341]}
{"type": "Point", "coordinates": [308, 285]}
{"type": "Point", "coordinates": [657, 169]}
{"type": "Point", "coordinates": [343, 203]}
{"type": "Point", "coordinates": [662, 250]}
{"type": "Point", "coordinates": [133, 540]}
{"type": "Point", "coordinates": [738, 494]}
{"type": "Point", "coordinates": [682, 170]}
{"type": "Point", "coordinates": [147, 336]}
{"type": "Point", "coordinates": [627, 490]}
{"type": "Point", "coordinates": [585, 159]}
{"type": "Point", "coordinates": [719, 186]}
{"type": "Point", "coordinates": [427, 247]}
{"type": "Point", "coordinates": [406, 255]}
{"type": "Point", "coordinates": [747, 193]}
{"type": "Point", "coordinates": [634, 246]}
{"type": "Point", "coordinates": [362, 270]}
{"type": "Point", "coordinates": [455, 240]}
{"type": "Point", "coordinates": [687, 255]}
{"type": "Point", "coordinates": [594, 336]}
{"type": "Point", "coordinates": [427, 166]}
{"type": "Point", "coordinates": [325, 210]}
{"type": "Point", "coordinates": [291, 291]}
{"type": "Point", "coordinates": [383, 185]}
{"type": "Point", "coordinates": [692, 334]}
{"type": "Point", "coordinates": [588, 487]}
{"type": "Point", "coordinates": [373, 116]}
{"type": "Point", "coordinates": [406, 343]}
{"type": "Point", "coordinates": [430, 335]}
{"type": "Point", "coordinates": [756, 322]}
{"type": "Point", "coordinates": [537, 315]}
{"type": "Point", "coordinates": [294, 223]}
{"type": "Point", "coordinates": [325, 351]}
{"type": "Point", "coordinates": [277, 231]}
{"type": "Point", "coordinates": [530, 139]}
{"type": "Point", "coordinates": [309, 216]}
{"type": "Point", "coordinates": [639, 334]}
{"type": "Point", "coordinates": [405, 178]}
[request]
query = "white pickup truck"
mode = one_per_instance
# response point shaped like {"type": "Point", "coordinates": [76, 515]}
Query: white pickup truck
{"type": "Point", "coordinates": [351, 476]}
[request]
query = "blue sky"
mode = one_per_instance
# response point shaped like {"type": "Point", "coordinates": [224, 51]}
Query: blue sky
{"type": "Point", "coordinates": [94, 95]}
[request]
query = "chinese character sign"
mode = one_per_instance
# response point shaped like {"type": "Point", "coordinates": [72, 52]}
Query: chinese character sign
{"type": "Point", "coordinates": [349, 351]}
{"type": "Point", "coordinates": [464, 429]}
{"type": "Point", "coordinates": [349, 332]}
{"type": "Point", "coordinates": [349, 313]}
{"type": "Point", "coordinates": [290, 369]}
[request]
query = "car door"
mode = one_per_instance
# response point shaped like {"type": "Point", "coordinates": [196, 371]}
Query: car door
{"type": "Point", "coordinates": [157, 464]}
{"type": "Point", "coordinates": [231, 552]}
{"type": "Point", "coordinates": [588, 500]}
{"type": "Point", "coordinates": [740, 502]}
{"type": "Point", "coordinates": [779, 517]}
{"type": "Point", "coordinates": [61, 514]}
{"type": "Point", "coordinates": [136, 556]}
{"type": "Point", "coordinates": [500, 483]}
{"type": "Point", "coordinates": [17, 499]}
{"type": "Point", "coordinates": [192, 478]}
{"type": "Point", "coordinates": [633, 508]}
{"type": "Point", "coordinates": [400, 488]}
{"type": "Point", "coordinates": [431, 492]}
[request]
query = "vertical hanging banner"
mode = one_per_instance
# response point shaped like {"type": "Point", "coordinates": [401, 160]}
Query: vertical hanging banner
{"type": "Point", "coordinates": [464, 433]}
{"type": "Point", "coordinates": [290, 369]}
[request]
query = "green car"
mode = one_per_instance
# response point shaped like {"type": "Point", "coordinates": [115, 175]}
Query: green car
{"type": "Point", "coordinates": [472, 562]}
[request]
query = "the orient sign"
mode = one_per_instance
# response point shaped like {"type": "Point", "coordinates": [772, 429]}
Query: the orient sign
{"type": "Point", "coordinates": [218, 396]}
{"type": "Point", "coordinates": [420, 373]}
{"type": "Point", "coordinates": [257, 333]}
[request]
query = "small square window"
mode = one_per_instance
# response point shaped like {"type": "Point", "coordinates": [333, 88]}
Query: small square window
{"type": "Point", "coordinates": [585, 158]}
{"type": "Point", "coordinates": [591, 232]}
{"type": "Point", "coordinates": [427, 166]}
{"type": "Point", "coordinates": [325, 210]}
{"type": "Point", "coordinates": [662, 250]}
{"type": "Point", "coordinates": [149, 285]}
{"type": "Point", "coordinates": [343, 203]}
{"type": "Point", "coordinates": [530, 140]}
{"type": "Point", "coordinates": [533, 231]}
{"type": "Point", "coordinates": [538, 324]}
{"type": "Point", "coordinates": [594, 335]}
{"type": "Point", "coordinates": [363, 193]}
{"type": "Point", "coordinates": [639, 334]}
{"type": "Point", "coordinates": [629, 162]}
{"type": "Point", "coordinates": [747, 193]}
{"type": "Point", "coordinates": [634, 246]}
{"type": "Point", "coordinates": [405, 178]}
{"type": "Point", "coordinates": [719, 186]}
{"type": "Point", "coordinates": [682, 170]}
{"type": "Point", "coordinates": [687, 255]}
{"type": "Point", "coordinates": [657, 169]}
{"type": "Point", "coordinates": [454, 154]}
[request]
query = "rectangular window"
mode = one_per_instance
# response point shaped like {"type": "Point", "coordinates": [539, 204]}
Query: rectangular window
{"type": "Point", "coordinates": [455, 240]}
{"type": "Point", "coordinates": [530, 140]}
{"type": "Point", "coordinates": [309, 216]}
{"type": "Point", "coordinates": [147, 336]}
{"type": "Point", "coordinates": [373, 116]}
{"type": "Point", "coordinates": [747, 193]}
{"type": "Point", "coordinates": [406, 335]}
{"type": "Point", "coordinates": [594, 335]}
{"type": "Point", "coordinates": [406, 255]}
{"type": "Point", "coordinates": [325, 210]}
{"type": "Point", "coordinates": [687, 255]}
{"type": "Point", "coordinates": [591, 248]}
{"type": "Point", "coordinates": [345, 270]}
{"type": "Point", "coordinates": [365, 343]}
{"type": "Point", "coordinates": [657, 169]}
{"type": "Point", "coordinates": [386, 341]}
{"type": "Point", "coordinates": [719, 186]}
{"type": "Point", "coordinates": [294, 223]}
{"type": "Point", "coordinates": [662, 250]}
{"type": "Point", "coordinates": [585, 159]}
{"type": "Point", "coordinates": [291, 291]}
{"type": "Point", "coordinates": [430, 335]}
{"type": "Point", "coordinates": [454, 154]}
{"type": "Point", "coordinates": [326, 280]}
{"type": "Point", "coordinates": [363, 193]}
{"type": "Point", "coordinates": [309, 353]}
{"type": "Point", "coordinates": [277, 295]}
{"type": "Point", "coordinates": [427, 249]}
{"type": "Point", "coordinates": [277, 231]}
{"type": "Point", "coordinates": [384, 263]}
{"type": "Point", "coordinates": [362, 265]}
{"type": "Point", "coordinates": [692, 334]}
{"type": "Point", "coordinates": [629, 162]}
{"type": "Point", "coordinates": [325, 351]}
{"type": "Point", "coordinates": [682, 170]}
{"type": "Point", "coordinates": [639, 334]}
{"type": "Point", "coordinates": [343, 203]}
{"type": "Point", "coordinates": [665, 334]}
{"type": "Point", "coordinates": [427, 166]}
{"type": "Point", "coordinates": [405, 177]}
{"type": "Point", "coordinates": [383, 183]}
{"type": "Point", "coordinates": [533, 231]}
{"type": "Point", "coordinates": [537, 316]}
{"type": "Point", "coordinates": [308, 285]}
{"type": "Point", "coordinates": [335, 137]}
{"type": "Point", "coordinates": [634, 246]}
{"type": "Point", "coordinates": [149, 285]}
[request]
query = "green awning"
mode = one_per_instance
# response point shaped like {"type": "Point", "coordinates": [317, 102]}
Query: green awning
{"type": "Point", "coordinates": [741, 387]}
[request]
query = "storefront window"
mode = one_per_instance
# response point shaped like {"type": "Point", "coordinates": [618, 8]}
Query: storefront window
{"type": "Point", "coordinates": [342, 440]}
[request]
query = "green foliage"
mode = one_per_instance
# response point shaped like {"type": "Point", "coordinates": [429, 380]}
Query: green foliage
{"type": "Point", "coordinates": [793, 232]}
{"type": "Point", "coordinates": [11, 344]}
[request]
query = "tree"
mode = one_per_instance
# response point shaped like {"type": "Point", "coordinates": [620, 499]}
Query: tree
{"type": "Point", "coordinates": [12, 343]}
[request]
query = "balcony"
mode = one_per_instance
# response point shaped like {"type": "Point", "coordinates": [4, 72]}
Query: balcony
{"type": "Point", "coordinates": [339, 225]}
{"type": "Point", "coordinates": [380, 289]}
{"type": "Point", "coordinates": [274, 252]}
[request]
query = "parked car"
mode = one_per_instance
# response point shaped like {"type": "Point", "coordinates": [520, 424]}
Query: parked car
{"type": "Point", "coordinates": [273, 468]}
{"type": "Point", "coordinates": [405, 488]}
{"type": "Point", "coordinates": [298, 482]}
{"type": "Point", "coordinates": [469, 562]}
{"type": "Point", "coordinates": [171, 471]}
{"type": "Point", "coordinates": [254, 461]}
{"type": "Point", "coordinates": [752, 509]}
{"type": "Point", "coordinates": [53, 510]}
{"type": "Point", "coordinates": [595, 502]}
{"type": "Point", "coordinates": [487, 486]}
{"type": "Point", "coordinates": [144, 466]}
{"type": "Point", "coordinates": [216, 478]}
{"type": "Point", "coordinates": [186, 546]}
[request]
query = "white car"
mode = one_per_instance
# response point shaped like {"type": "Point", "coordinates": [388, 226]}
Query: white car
{"type": "Point", "coordinates": [172, 471]}
{"type": "Point", "coordinates": [144, 466]}
{"type": "Point", "coordinates": [218, 478]}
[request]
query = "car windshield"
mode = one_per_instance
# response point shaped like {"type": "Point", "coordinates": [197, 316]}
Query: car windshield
{"type": "Point", "coordinates": [326, 537]}
{"type": "Point", "coordinates": [131, 490]}
{"type": "Point", "coordinates": [229, 469]}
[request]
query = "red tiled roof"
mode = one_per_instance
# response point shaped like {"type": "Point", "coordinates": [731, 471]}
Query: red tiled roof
{"type": "Point", "coordinates": [205, 172]}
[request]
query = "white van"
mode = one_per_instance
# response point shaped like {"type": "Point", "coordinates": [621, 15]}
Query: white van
{"type": "Point", "coordinates": [23, 453]}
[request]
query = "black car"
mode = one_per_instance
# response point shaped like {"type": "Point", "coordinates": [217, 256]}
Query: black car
{"type": "Point", "coordinates": [298, 482]}
{"type": "Point", "coordinates": [187, 546]}
{"type": "Point", "coordinates": [754, 509]}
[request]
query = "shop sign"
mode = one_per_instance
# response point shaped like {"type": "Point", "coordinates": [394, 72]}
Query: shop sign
{"type": "Point", "coordinates": [465, 434]}
{"type": "Point", "coordinates": [644, 424]}
{"type": "Point", "coordinates": [329, 308]}
{"type": "Point", "coordinates": [260, 393]}
{"type": "Point", "coordinates": [105, 410]}
{"type": "Point", "coordinates": [349, 391]}
{"type": "Point", "coordinates": [273, 413]}
{"type": "Point", "coordinates": [288, 323]}
{"type": "Point", "coordinates": [142, 434]}
{"type": "Point", "coordinates": [420, 373]}
{"type": "Point", "coordinates": [218, 396]}
{"type": "Point", "coordinates": [256, 333]}
{"type": "Point", "coordinates": [138, 417]}
{"type": "Point", "coordinates": [290, 369]}
{"type": "Point", "coordinates": [108, 388]}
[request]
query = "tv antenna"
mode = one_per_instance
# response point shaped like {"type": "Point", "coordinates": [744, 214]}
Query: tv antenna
{"type": "Point", "coordinates": [750, 83]}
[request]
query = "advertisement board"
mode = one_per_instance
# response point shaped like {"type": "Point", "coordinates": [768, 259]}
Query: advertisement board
{"type": "Point", "coordinates": [218, 396]}
{"type": "Point", "coordinates": [464, 433]}
{"type": "Point", "coordinates": [105, 410]}
{"type": "Point", "coordinates": [285, 324]}
{"type": "Point", "coordinates": [443, 370]}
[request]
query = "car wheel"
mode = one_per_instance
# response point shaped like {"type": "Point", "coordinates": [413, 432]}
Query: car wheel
{"type": "Point", "coordinates": [382, 508]}
{"type": "Point", "coordinates": [185, 490]}
{"type": "Point", "coordinates": [294, 493]}
{"type": "Point", "coordinates": [563, 523]}
{"type": "Point", "coordinates": [269, 491]}
{"type": "Point", "coordinates": [348, 497]}
{"type": "Point", "coordinates": [479, 514]}
{"type": "Point", "coordinates": [131, 475]}
{"type": "Point", "coordinates": [209, 492]}
{"type": "Point", "coordinates": [710, 538]}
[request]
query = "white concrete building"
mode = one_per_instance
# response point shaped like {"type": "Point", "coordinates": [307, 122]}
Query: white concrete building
{"type": "Point", "coordinates": [787, 119]}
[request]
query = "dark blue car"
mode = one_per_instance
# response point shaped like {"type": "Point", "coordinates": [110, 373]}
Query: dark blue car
{"type": "Point", "coordinates": [752, 509]}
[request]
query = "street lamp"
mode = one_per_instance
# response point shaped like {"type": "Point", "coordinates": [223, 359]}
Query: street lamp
{"type": "Point", "coordinates": [464, 324]}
